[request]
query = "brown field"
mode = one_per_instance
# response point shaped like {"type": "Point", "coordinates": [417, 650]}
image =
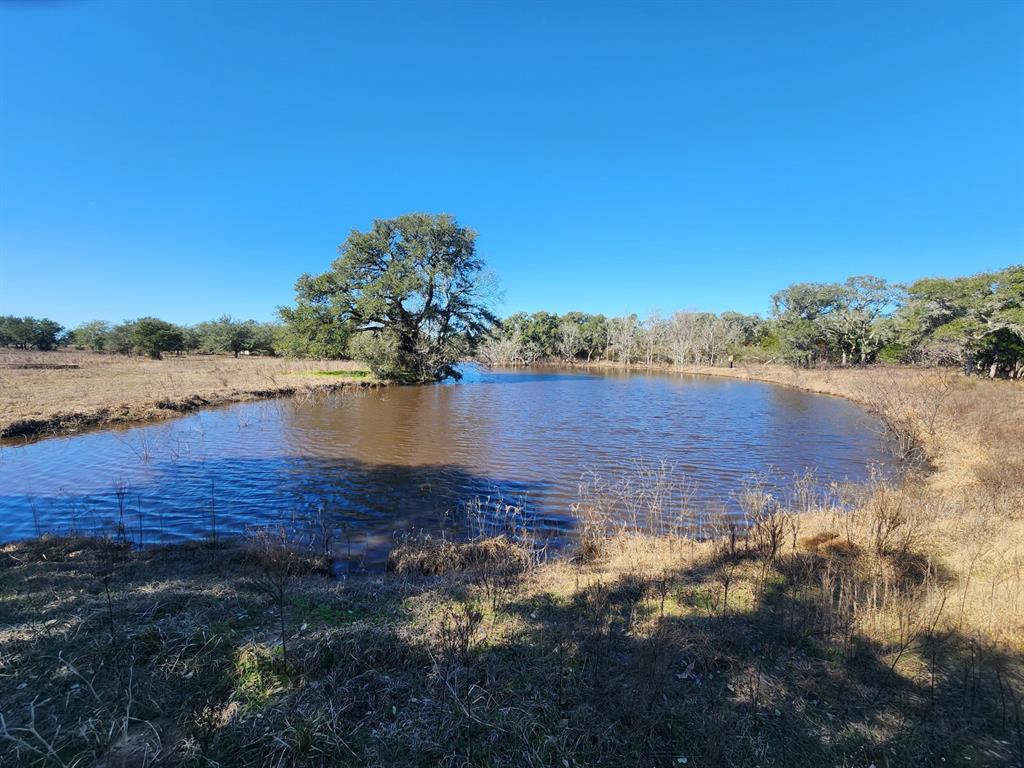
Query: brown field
{"type": "Point", "coordinates": [63, 391]}
{"type": "Point", "coordinates": [881, 624]}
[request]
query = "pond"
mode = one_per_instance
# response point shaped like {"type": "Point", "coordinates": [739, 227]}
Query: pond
{"type": "Point", "coordinates": [373, 465]}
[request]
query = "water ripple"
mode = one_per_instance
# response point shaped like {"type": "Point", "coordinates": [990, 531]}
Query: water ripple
{"type": "Point", "coordinates": [407, 458]}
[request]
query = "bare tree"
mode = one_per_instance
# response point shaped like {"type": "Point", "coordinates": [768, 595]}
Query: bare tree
{"type": "Point", "coordinates": [570, 340]}
{"type": "Point", "coordinates": [622, 338]}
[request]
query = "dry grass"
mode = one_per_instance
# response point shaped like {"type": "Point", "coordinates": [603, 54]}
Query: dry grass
{"type": "Point", "coordinates": [63, 391]}
{"type": "Point", "coordinates": [875, 624]}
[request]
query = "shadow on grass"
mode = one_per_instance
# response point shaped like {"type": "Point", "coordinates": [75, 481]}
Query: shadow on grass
{"type": "Point", "coordinates": [637, 668]}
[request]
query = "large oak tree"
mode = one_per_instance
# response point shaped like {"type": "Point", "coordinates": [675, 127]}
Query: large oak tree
{"type": "Point", "coordinates": [411, 294]}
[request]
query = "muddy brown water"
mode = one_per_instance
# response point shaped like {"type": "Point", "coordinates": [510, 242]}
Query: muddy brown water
{"type": "Point", "coordinates": [375, 465]}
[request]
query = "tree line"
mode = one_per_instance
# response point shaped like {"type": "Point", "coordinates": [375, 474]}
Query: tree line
{"type": "Point", "coordinates": [148, 336]}
{"type": "Point", "coordinates": [974, 322]}
{"type": "Point", "coordinates": [30, 332]}
{"type": "Point", "coordinates": [411, 297]}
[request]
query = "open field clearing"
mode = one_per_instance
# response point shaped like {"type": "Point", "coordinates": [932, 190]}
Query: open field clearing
{"type": "Point", "coordinates": [57, 392]}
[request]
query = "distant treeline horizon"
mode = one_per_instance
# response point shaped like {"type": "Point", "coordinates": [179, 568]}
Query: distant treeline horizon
{"type": "Point", "coordinates": [976, 322]}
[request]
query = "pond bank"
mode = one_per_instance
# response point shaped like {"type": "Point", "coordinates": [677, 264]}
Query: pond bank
{"type": "Point", "coordinates": [645, 651]}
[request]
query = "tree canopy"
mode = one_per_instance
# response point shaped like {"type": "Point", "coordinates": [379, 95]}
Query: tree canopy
{"type": "Point", "coordinates": [410, 296]}
{"type": "Point", "coordinates": [91, 335]}
{"type": "Point", "coordinates": [30, 332]}
{"type": "Point", "coordinates": [971, 321]}
{"type": "Point", "coordinates": [153, 337]}
{"type": "Point", "coordinates": [235, 336]}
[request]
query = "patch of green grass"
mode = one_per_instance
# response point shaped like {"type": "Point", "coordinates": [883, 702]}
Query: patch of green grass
{"type": "Point", "coordinates": [774, 586]}
{"type": "Point", "coordinates": [358, 605]}
{"type": "Point", "coordinates": [326, 614]}
{"type": "Point", "coordinates": [344, 374]}
{"type": "Point", "coordinates": [696, 597]}
{"type": "Point", "coordinates": [259, 676]}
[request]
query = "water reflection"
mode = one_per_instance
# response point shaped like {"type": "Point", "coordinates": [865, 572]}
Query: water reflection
{"type": "Point", "coordinates": [403, 458]}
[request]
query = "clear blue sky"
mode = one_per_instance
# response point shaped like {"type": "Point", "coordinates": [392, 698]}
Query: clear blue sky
{"type": "Point", "coordinates": [189, 159]}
